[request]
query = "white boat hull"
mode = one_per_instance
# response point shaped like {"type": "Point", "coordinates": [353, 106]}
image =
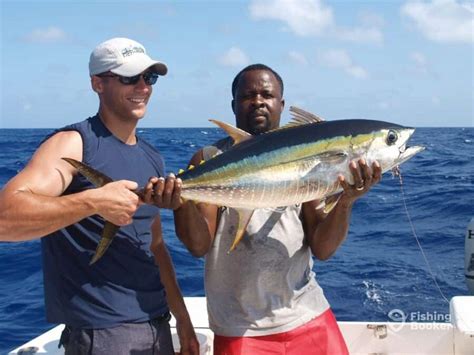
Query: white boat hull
{"type": "Point", "coordinates": [455, 338]}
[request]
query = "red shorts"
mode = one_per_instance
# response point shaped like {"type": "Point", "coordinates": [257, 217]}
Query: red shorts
{"type": "Point", "coordinates": [320, 336]}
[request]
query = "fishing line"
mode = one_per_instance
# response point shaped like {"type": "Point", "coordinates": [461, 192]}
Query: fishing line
{"type": "Point", "coordinates": [397, 173]}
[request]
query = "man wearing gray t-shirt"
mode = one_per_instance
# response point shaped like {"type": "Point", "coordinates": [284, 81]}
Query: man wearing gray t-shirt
{"type": "Point", "coordinates": [263, 297]}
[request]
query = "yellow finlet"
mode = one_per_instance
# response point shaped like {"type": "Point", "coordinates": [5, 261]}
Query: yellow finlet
{"type": "Point", "coordinates": [180, 171]}
{"type": "Point", "coordinates": [202, 162]}
{"type": "Point", "coordinates": [191, 167]}
{"type": "Point", "coordinates": [331, 202]}
{"type": "Point", "coordinates": [237, 134]}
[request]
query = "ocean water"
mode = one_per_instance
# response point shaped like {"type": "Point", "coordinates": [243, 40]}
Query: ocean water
{"type": "Point", "coordinates": [379, 267]}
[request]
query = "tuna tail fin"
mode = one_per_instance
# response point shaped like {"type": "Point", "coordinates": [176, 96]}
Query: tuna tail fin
{"type": "Point", "coordinates": [98, 179]}
{"type": "Point", "coordinates": [244, 219]}
{"type": "Point", "coordinates": [106, 238]}
{"type": "Point", "coordinates": [94, 176]}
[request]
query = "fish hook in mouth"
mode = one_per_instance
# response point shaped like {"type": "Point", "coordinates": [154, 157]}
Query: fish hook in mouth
{"type": "Point", "coordinates": [407, 152]}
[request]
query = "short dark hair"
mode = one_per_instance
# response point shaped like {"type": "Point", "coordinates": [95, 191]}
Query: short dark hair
{"type": "Point", "coordinates": [255, 67]}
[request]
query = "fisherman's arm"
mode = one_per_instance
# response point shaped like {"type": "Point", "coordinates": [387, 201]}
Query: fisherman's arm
{"type": "Point", "coordinates": [184, 327]}
{"type": "Point", "coordinates": [31, 205]}
{"type": "Point", "coordinates": [195, 224]}
{"type": "Point", "coordinates": [326, 233]}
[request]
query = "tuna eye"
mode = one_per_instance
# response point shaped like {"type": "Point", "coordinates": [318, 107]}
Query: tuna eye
{"type": "Point", "coordinates": [392, 137]}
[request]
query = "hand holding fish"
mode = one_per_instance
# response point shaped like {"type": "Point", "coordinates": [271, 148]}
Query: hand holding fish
{"type": "Point", "coordinates": [164, 193]}
{"type": "Point", "coordinates": [364, 178]}
{"type": "Point", "coordinates": [116, 202]}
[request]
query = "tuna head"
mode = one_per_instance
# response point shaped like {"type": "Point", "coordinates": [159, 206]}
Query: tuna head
{"type": "Point", "coordinates": [389, 147]}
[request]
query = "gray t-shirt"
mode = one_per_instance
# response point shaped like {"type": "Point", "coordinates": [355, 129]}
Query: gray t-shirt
{"type": "Point", "coordinates": [266, 285]}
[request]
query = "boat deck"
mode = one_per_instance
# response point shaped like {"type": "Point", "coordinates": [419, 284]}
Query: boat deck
{"type": "Point", "coordinates": [456, 338]}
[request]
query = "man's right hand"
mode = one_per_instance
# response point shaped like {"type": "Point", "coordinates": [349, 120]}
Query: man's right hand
{"type": "Point", "coordinates": [116, 202]}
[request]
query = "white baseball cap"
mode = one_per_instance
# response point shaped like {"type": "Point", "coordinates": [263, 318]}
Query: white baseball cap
{"type": "Point", "coordinates": [123, 56]}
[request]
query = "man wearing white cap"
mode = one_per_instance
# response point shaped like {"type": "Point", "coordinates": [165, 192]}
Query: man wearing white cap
{"type": "Point", "coordinates": [121, 303]}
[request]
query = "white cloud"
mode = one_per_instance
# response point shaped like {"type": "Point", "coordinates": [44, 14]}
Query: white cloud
{"type": "Point", "coordinates": [303, 17]}
{"type": "Point", "coordinates": [420, 61]}
{"type": "Point", "coordinates": [314, 18]}
{"type": "Point", "coordinates": [339, 59]}
{"type": "Point", "coordinates": [46, 35]}
{"type": "Point", "coordinates": [234, 57]}
{"type": "Point", "coordinates": [442, 20]}
{"type": "Point", "coordinates": [360, 34]}
{"type": "Point", "coordinates": [357, 72]}
{"type": "Point", "coordinates": [298, 58]}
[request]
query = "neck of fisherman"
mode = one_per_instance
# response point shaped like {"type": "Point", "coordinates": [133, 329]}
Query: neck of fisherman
{"type": "Point", "coordinates": [124, 128]}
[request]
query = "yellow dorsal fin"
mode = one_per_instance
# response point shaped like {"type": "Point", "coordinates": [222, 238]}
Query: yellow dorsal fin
{"type": "Point", "coordinates": [237, 134]}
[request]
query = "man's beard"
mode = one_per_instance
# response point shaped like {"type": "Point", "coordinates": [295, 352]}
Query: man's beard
{"type": "Point", "coordinates": [256, 129]}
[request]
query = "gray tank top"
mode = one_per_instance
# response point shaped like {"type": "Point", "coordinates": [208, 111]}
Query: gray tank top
{"type": "Point", "coordinates": [266, 285]}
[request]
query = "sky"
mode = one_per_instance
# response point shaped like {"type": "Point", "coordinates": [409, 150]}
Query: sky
{"type": "Point", "coordinates": [406, 62]}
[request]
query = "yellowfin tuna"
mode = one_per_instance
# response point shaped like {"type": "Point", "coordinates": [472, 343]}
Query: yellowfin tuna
{"type": "Point", "coordinates": [296, 163]}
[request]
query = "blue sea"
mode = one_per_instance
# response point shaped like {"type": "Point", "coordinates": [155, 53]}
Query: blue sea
{"type": "Point", "coordinates": [379, 267]}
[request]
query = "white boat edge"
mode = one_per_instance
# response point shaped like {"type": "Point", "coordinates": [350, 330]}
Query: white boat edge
{"type": "Point", "coordinates": [456, 337]}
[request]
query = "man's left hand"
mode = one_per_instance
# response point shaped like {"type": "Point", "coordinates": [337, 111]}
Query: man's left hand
{"type": "Point", "coordinates": [364, 178]}
{"type": "Point", "coordinates": [164, 193]}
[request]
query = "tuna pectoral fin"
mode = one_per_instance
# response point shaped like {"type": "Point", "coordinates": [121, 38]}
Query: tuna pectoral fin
{"type": "Point", "coordinates": [244, 218]}
{"type": "Point", "coordinates": [108, 235]}
{"type": "Point", "coordinates": [94, 176]}
{"type": "Point", "coordinates": [311, 165]}
{"type": "Point", "coordinates": [332, 156]}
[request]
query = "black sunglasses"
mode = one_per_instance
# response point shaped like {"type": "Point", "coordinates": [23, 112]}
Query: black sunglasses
{"type": "Point", "coordinates": [149, 78]}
